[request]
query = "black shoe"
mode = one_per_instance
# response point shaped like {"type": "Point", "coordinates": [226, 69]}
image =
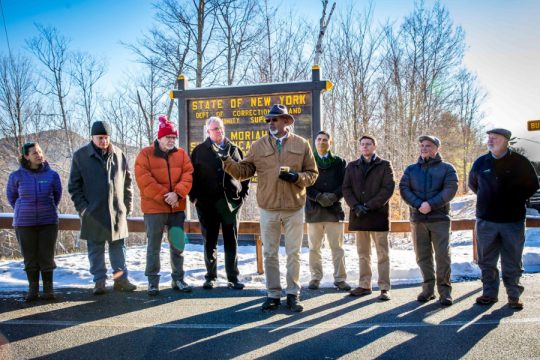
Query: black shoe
{"type": "Point", "coordinates": [209, 284]}
{"type": "Point", "coordinates": [446, 300]}
{"type": "Point", "coordinates": [515, 303]}
{"type": "Point", "coordinates": [99, 287]}
{"type": "Point", "coordinates": [314, 284]}
{"type": "Point", "coordinates": [153, 289]}
{"type": "Point", "coordinates": [33, 292]}
{"type": "Point", "coordinates": [423, 297]}
{"type": "Point", "coordinates": [235, 285]}
{"type": "Point", "coordinates": [294, 304]}
{"type": "Point", "coordinates": [270, 304]}
{"type": "Point", "coordinates": [342, 286]}
{"type": "Point", "coordinates": [181, 285]}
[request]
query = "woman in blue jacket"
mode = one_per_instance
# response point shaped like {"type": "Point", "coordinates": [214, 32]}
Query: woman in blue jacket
{"type": "Point", "coordinates": [34, 191]}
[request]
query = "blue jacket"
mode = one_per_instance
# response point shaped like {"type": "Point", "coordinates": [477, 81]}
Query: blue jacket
{"type": "Point", "coordinates": [434, 181]}
{"type": "Point", "coordinates": [502, 186]}
{"type": "Point", "coordinates": [34, 196]}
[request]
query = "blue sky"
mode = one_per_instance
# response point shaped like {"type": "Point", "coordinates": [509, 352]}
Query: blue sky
{"type": "Point", "coordinates": [502, 38]}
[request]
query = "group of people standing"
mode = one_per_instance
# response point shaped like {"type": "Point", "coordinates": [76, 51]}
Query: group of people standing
{"type": "Point", "coordinates": [295, 184]}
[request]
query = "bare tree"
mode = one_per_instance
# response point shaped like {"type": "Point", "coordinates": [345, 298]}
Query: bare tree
{"type": "Point", "coordinates": [238, 33]}
{"type": "Point", "coordinates": [323, 24]}
{"type": "Point", "coordinates": [52, 50]}
{"type": "Point", "coordinates": [85, 73]}
{"type": "Point", "coordinates": [148, 96]}
{"type": "Point", "coordinates": [469, 97]}
{"type": "Point", "coordinates": [17, 97]}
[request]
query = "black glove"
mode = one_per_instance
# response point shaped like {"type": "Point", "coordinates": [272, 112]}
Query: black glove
{"type": "Point", "coordinates": [331, 197]}
{"type": "Point", "coordinates": [289, 176]}
{"type": "Point", "coordinates": [222, 153]}
{"type": "Point", "coordinates": [324, 199]}
{"type": "Point", "coordinates": [360, 209]}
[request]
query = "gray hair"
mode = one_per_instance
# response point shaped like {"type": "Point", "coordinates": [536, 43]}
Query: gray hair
{"type": "Point", "coordinates": [211, 120]}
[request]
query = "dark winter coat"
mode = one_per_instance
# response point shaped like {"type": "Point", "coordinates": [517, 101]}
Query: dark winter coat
{"type": "Point", "coordinates": [502, 186]}
{"type": "Point", "coordinates": [34, 196]}
{"type": "Point", "coordinates": [330, 180]}
{"type": "Point", "coordinates": [434, 181]}
{"type": "Point", "coordinates": [211, 182]}
{"type": "Point", "coordinates": [100, 186]}
{"type": "Point", "coordinates": [372, 185]}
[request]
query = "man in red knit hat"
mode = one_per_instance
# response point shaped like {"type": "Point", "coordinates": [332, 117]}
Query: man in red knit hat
{"type": "Point", "coordinates": [163, 173]}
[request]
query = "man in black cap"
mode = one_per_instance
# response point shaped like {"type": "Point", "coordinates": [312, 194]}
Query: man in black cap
{"type": "Point", "coordinates": [100, 188]}
{"type": "Point", "coordinates": [502, 180]}
{"type": "Point", "coordinates": [285, 166]}
{"type": "Point", "coordinates": [427, 187]}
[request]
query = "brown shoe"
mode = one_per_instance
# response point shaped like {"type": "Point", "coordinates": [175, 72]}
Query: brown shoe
{"type": "Point", "coordinates": [515, 303]}
{"type": "Point", "coordinates": [385, 295]}
{"type": "Point", "coordinates": [486, 300]}
{"type": "Point", "coordinates": [360, 291]}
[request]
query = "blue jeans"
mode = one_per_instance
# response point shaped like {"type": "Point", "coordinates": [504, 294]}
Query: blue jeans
{"type": "Point", "coordinates": [507, 241]}
{"type": "Point", "coordinates": [117, 257]}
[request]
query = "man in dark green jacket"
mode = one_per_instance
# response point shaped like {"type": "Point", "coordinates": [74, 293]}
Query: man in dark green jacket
{"type": "Point", "coordinates": [324, 214]}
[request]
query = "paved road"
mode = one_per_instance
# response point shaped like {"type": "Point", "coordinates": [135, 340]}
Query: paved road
{"type": "Point", "coordinates": [224, 323]}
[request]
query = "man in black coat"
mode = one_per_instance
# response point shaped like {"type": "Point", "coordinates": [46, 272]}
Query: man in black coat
{"type": "Point", "coordinates": [217, 196]}
{"type": "Point", "coordinates": [427, 187]}
{"type": "Point", "coordinates": [502, 180]}
{"type": "Point", "coordinates": [100, 188]}
{"type": "Point", "coordinates": [324, 214]}
{"type": "Point", "coordinates": [367, 188]}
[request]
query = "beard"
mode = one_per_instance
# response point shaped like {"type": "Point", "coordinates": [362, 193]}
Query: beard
{"type": "Point", "coordinates": [273, 132]}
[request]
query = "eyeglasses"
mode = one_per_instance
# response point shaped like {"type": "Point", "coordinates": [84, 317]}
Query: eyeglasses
{"type": "Point", "coordinates": [216, 129]}
{"type": "Point", "coordinates": [274, 119]}
{"type": "Point", "coordinates": [170, 137]}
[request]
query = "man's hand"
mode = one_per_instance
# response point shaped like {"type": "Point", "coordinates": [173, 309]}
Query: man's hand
{"type": "Point", "coordinates": [222, 153]}
{"type": "Point", "coordinates": [360, 209]}
{"type": "Point", "coordinates": [425, 208]}
{"type": "Point", "coordinates": [325, 199]}
{"type": "Point", "coordinates": [171, 198]}
{"type": "Point", "coordinates": [290, 176]}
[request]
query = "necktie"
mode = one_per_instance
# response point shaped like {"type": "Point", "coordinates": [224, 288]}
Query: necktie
{"type": "Point", "coordinates": [278, 146]}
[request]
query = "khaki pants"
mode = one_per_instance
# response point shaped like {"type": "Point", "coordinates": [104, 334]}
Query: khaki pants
{"type": "Point", "coordinates": [293, 223]}
{"type": "Point", "coordinates": [363, 246]}
{"type": "Point", "coordinates": [427, 238]}
{"type": "Point", "coordinates": [334, 235]}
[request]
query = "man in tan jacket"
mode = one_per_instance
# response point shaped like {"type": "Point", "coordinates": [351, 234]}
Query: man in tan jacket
{"type": "Point", "coordinates": [285, 166]}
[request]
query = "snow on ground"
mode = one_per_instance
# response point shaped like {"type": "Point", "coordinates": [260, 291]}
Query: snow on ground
{"type": "Point", "coordinates": [73, 271]}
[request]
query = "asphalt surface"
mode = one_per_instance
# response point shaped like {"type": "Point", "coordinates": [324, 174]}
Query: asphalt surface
{"type": "Point", "coordinates": [223, 324]}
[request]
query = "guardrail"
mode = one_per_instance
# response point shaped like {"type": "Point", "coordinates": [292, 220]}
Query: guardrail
{"type": "Point", "coordinates": [136, 224]}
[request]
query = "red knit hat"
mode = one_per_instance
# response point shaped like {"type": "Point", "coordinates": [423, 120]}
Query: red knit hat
{"type": "Point", "coordinates": [166, 127]}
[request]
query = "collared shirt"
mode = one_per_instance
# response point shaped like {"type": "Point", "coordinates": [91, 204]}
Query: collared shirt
{"type": "Point", "coordinates": [499, 157]}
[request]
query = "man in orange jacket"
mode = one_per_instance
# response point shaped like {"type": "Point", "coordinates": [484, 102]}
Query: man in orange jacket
{"type": "Point", "coordinates": [164, 175]}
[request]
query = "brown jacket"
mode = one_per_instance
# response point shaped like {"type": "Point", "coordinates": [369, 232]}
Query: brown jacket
{"type": "Point", "coordinates": [158, 173]}
{"type": "Point", "coordinates": [264, 159]}
{"type": "Point", "coordinates": [372, 185]}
